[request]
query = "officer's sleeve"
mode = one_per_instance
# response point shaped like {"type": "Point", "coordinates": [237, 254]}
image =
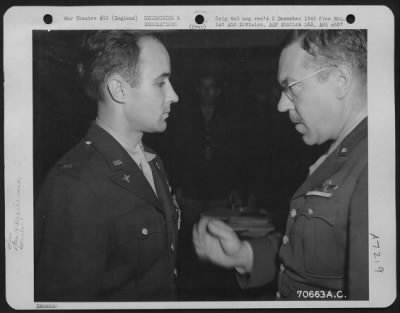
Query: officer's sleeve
{"type": "Point", "coordinates": [71, 252]}
{"type": "Point", "coordinates": [265, 261]}
{"type": "Point", "coordinates": [357, 286]}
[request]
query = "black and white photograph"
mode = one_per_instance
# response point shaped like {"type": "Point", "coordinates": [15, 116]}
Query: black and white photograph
{"type": "Point", "coordinates": [195, 167]}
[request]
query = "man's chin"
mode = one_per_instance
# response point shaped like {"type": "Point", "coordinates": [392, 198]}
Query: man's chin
{"type": "Point", "coordinates": [161, 128]}
{"type": "Point", "coordinates": [308, 140]}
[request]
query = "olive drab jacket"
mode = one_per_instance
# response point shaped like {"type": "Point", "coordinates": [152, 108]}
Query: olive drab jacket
{"type": "Point", "coordinates": [324, 251]}
{"type": "Point", "coordinates": [101, 233]}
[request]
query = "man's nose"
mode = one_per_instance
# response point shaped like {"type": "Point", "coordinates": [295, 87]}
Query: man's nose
{"type": "Point", "coordinates": [284, 103]}
{"type": "Point", "coordinates": [172, 96]}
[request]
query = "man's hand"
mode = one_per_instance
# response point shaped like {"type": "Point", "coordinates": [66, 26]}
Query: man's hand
{"type": "Point", "coordinates": [217, 242]}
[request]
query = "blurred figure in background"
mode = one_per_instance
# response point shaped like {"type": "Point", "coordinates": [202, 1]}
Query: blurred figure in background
{"type": "Point", "coordinates": [206, 151]}
{"type": "Point", "coordinates": [206, 157]}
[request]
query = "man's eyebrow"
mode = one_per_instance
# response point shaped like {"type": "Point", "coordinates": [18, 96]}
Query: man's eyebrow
{"type": "Point", "coordinates": [163, 75]}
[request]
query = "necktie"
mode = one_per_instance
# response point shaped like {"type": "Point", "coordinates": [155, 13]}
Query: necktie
{"type": "Point", "coordinates": [145, 167]}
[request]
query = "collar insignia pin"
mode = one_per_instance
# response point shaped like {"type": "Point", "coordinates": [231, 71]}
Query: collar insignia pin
{"type": "Point", "coordinates": [329, 186]}
{"type": "Point", "coordinates": [126, 178]}
{"type": "Point", "coordinates": [117, 162]}
{"type": "Point", "coordinates": [344, 150]}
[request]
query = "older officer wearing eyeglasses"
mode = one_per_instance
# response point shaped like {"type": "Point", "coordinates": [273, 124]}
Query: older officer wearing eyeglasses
{"type": "Point", "coordinates": [323, 253]}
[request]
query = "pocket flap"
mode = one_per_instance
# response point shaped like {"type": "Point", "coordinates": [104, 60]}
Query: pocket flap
{"type": "Point", "coordinates": [132, 226]}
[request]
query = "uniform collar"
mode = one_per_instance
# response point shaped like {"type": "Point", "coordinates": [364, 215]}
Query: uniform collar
{"type": "Point", "coordinates": [356, 122]}
{"type": "Point", "coordinates": [340, 142]}
{"type": "Point", "coordinates": [113, 152]}
{"type": "Point", "coordinates": [124, 171]}
{"type": "Point", "coordinates": [336, 159]}
{"type": "Point", "coordinates": [353, 138]}
{"type": "Point", "coordinates": [131, 147]}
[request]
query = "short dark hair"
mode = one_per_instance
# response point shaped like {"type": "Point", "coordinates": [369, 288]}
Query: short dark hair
{"type": "Point", "coordinates": [343, 46]}
{"type": "Point", "coordinates": [105, 52]}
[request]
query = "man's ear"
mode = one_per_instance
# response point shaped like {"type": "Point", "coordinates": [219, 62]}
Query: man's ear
{"type": "Point", "coordinates": [116, 87]}
{"type": "Point", "coordinates": [344, 80]}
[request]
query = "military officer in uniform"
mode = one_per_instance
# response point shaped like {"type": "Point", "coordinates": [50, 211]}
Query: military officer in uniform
{"type": "Point", "coordinates": [105, 222]}
{"type": "Point", "coordinates": [323, 253]}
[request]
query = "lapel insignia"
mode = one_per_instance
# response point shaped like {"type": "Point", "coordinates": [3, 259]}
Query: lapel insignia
{"type": "Point", "coordinates": [117, 162]}
{"type": "Point", "coordinates": [158, 166]}
{"type": "Point", "coordinates": [328, 186]}
{"type": "Point", "coordinates": [126, 178]}
{"type": "Point", "coordinates": [343, 152]}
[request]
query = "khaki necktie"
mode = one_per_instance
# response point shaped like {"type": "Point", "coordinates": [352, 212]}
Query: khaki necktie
{"type": "Point", "coordinates": [144, 166]}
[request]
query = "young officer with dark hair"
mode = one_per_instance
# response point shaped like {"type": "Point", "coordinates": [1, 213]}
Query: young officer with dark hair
{"type": "Point", "coordinates": [324, 251]}
{"type": "Point", "coordinates": [105, 223]}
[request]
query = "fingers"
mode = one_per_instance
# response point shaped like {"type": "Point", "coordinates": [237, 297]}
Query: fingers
{"type": "Point", "coordinates": [199, 229]}
{"type": "Point", "coordinates": [208, 226]}
{"type": "Point", "coordinates": [199, 233]}
{"type": "Point", "coordinates": [221, 230]}
{"type": "Point", "coordinates": [217, 242]}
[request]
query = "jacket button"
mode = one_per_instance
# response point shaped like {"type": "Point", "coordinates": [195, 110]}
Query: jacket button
{"type": "Point", "coordinates": [293, 213]}
{"type": "Point", "coordinates": [310, 211]}
{"type": "Point", "coordinates": [172, 247]}
{"type": "Point", "coordinates": [145, 231]}
{"type": "Point", "coordinates": [282, 268]}
{"type": "Point", "coordinates": [278, 295]}
{"type": "Point", "coordinates": [88, 142]}
{"type": "Point", "coordinates": [285, 240]}
{"type": "Point", "coordinates": [175, 272]}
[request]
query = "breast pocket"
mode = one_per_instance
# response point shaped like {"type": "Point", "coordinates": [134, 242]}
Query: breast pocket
{"type": "Point", "coordinates": [140, 239]}
{"type": "Point", "coordinates": [324, 237]}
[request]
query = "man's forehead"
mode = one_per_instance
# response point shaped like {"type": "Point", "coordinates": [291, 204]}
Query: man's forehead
{"type": "Point", "coordinates": [291, 62]}
{"type": "Point", "coordinates": [153, 54]}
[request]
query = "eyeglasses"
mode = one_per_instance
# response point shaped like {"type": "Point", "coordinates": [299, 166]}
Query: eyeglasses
{"type": "Point", "coordinates": [288, 89]}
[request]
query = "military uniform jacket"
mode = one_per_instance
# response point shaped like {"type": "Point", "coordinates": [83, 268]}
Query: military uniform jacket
{"type": "Point", "coordinates": [325, 247]}
{"type": "Point", "coordinates": [101, 233]}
